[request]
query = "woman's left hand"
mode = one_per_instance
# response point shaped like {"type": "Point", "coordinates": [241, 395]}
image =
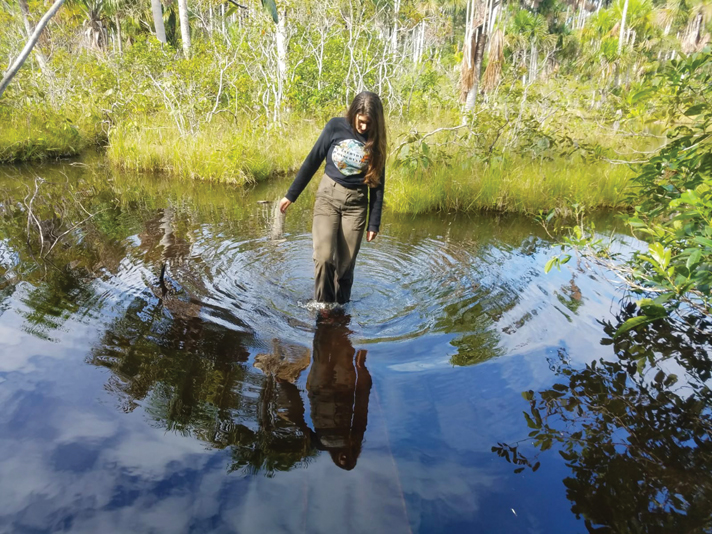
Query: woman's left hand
{"type": "Point", "coordinates": [370, 236]}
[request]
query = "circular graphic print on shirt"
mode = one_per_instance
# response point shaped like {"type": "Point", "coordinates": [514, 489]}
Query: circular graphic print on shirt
{"type": "Point", "coordinates": [350, 157]}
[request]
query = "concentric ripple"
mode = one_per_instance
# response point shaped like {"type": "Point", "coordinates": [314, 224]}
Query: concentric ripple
{"type": "Point", "coordinates": [401, 291]}
{"type": "Point", "coordinates": [471, 286]}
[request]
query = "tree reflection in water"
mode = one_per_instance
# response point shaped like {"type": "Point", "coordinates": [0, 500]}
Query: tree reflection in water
{"type": "Point", "coordinates": [636, 432]}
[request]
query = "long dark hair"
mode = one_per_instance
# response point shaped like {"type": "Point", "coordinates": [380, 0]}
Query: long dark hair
{"type": "Point", "coordinates": [369, 104]}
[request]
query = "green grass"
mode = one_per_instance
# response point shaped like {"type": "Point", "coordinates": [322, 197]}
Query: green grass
{"type": "Point", "coordinates": [219, 152]}
{"type": "Point", "coordinates": [246, 154]}
{"type": "Point", "coordinates": [38, 135]}
{"type": "Point", "coordinates": [524, 187]}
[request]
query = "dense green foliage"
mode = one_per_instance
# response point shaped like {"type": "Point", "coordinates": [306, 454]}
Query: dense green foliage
{"type": "Point", "coordinates": [674, 194]}
{"type": "Point", "coordinates": [672, 198]}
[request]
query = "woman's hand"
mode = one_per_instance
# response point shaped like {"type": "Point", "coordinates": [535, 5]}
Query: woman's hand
{"type": "Point", "coordinates": [284, 204]}
{"type": "Point", "coordinates": [370, 236]}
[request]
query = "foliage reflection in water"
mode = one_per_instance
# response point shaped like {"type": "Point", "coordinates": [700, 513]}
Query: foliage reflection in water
{"type": "Point", "coordinates": [636, 431]}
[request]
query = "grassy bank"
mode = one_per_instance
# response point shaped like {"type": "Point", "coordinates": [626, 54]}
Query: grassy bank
{"type": "Point", "coordinates": [35, 134]}
{"type": "Point", "coordinates": [245, 155]}
{"type": "Point", "coordinates": [515, 185]}
{"type": "Point", "coordinates": [218, 152]}
{"type": "Point", "coordinates": [450, 175]}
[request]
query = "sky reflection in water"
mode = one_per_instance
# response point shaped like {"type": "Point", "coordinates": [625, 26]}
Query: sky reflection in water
{"type": "Point", "coordinates": [213, 400]}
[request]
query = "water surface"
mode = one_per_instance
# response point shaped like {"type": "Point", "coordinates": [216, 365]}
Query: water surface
{"type": "Point", "coordinates": [214, 398]}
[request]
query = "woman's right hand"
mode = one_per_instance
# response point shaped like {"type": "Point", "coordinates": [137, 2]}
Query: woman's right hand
{"type": "Point", "coordinates": [284, 204]}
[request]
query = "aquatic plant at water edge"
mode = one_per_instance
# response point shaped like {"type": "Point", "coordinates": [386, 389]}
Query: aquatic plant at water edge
{"type": "Point", "coordinates": [672, 194]}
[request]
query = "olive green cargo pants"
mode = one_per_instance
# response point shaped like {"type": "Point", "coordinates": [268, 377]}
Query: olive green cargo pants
{"type": "Point", "coordinates": [337, 230]}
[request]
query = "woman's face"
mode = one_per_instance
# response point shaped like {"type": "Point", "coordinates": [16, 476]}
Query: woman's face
{"type": "Point", "coordinates": [362, 123]}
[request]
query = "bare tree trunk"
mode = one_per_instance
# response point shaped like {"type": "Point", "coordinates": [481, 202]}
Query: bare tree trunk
{"type": "Point", "coordinates": [281, 43]}
{"type": "Point", "coordinates": [320, 56]}
{"type": "Point", "coordinates": [394, 34]}
{"type": "Point", "coordinates": [15, 67]}
{"type": "Point", "coordinates": [185, 26]}
{"type": "Point", "coordinates": [467, 52]}
{"type": "Point", "coordinates": [622, 33]}
{"type": "Point", "coordinates": [471, 70]}
{"type": "Point", "coordinates": [421, 46]}
{"type": "Point", "coordinates": [117, 21]}
{"type": "Point", "coordinates": [158, 20]}
{"type": "Point", "coordinates": [479, 54]}
{"type": "Point", "coordinates": [533, 62]}
{"type": "Point", "coordinates": [41, 60]}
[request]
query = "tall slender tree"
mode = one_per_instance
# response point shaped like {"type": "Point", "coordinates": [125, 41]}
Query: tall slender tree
{"type": "Point", "coordinates": [621, 37]}
{"type": "Point", "coordinates": [41, 60]}
{"type": "Point", "coordinates": [479, 15]}
{"type": "Point", "coordinates": [157, 11]}
{"type": "Point", "coordinates": [184, 26]}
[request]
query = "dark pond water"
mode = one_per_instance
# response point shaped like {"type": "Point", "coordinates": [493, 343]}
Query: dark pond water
{"type": "Point", "coordinates": [211, 399]}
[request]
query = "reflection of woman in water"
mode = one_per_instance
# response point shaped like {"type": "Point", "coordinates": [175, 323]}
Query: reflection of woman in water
{"type": "Point", "coordinates": [355, 151]}
{"type": "Point", "coordinates": [338, 387]}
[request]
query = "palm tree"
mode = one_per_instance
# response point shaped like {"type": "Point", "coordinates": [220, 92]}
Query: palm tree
{"type": "Point", "coordinates": [622, 27]}
{"type": "Point", "coordinates": [636, 17]}
{"type": "Point", "coordinates": [96, 34]}
{"type": "Point", "coordinates": [530, 32]}
{"type": "Point", "coordinates": [480, 14]}
{"type": "Point", "coordinates": [672, 15]}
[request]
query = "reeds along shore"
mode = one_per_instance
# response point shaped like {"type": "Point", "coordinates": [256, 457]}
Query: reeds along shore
{"type": "Point", "coordinates": [513, 186]}
{"type": "Point", "coordinates": [447, 179]}
{"type": "Point", "coordinates": [37, 135]}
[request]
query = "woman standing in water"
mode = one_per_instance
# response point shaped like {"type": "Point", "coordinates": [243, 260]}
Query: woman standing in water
{"type": "Point", "coordinates": [355, 151]}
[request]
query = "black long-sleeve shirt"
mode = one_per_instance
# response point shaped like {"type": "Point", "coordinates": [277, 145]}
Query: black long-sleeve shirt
{"type": "Point", "coordinates": [346, 164]}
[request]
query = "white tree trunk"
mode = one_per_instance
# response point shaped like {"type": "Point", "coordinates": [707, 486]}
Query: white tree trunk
{"type": "Point", "coordinates": [394, 34]}
{"type": "Point", "coordinates": [281, 45]}
{"type": "Point", "coordinates": [480, 16]}
{"type": "Point", "coordinates": [158, 20]}
{"type": "Point", "coordinates": [471, 99]}
{"type": "Point", "coordinates": [184, 26]}
{"type": "Point", "coordinates": [320, 55]}
{"type": "Point", "coordinates": [466, 47]}
{"type": "Point", "coordinates": [622, 33]}
{"type": "Point", "coordinates": [15, 67]}
{"type": "Point", "coordinates": [422, 42]}
{"type": "Point", "coordinates": [117, 21]}
{"type": "Point", "coordinates": [28, 29]}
